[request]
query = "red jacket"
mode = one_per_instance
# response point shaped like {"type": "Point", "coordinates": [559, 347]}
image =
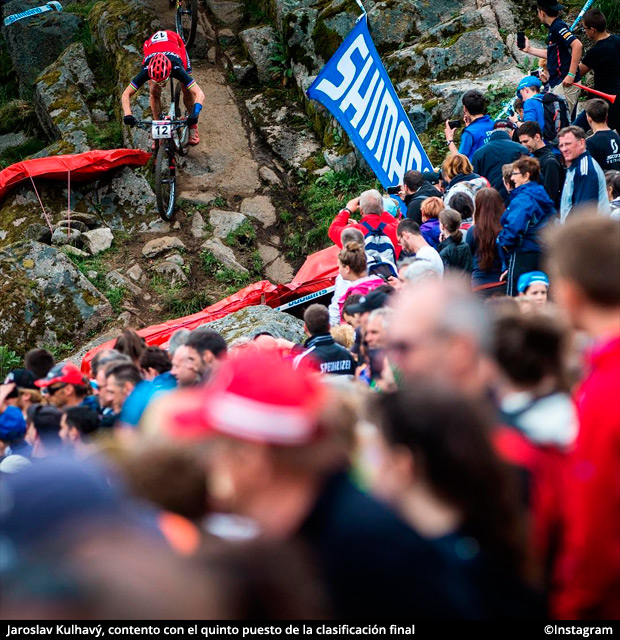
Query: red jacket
{"type": "Point", "coordinates": [588, 572]}
{"type": "Point", "coordinates": [341, 222]}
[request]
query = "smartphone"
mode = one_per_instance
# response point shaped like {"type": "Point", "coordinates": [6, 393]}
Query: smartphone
{"type": "Point", "coordinates": [394, 190]}
{"type": "Point", "coordinates": [454, 124]}
{"type": "Point", "coordinates": [521, 39]}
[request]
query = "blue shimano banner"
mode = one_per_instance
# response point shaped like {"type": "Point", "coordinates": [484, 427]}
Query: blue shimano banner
{"type": "Point", "coordinates": [356, 89]}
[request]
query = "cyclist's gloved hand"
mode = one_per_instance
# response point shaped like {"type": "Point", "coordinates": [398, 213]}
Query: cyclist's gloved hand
{"type": "Point", "coordinates": [130, 121]}
{"type": "Point", "coordinates": [192, 120]}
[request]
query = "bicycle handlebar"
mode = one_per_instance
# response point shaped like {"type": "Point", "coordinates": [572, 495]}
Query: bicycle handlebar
{"type": "Point", "coordinates": [146, 124]}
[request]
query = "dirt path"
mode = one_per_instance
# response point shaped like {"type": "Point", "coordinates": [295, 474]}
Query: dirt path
{"type": "Point", "coordinates": [225, 162]}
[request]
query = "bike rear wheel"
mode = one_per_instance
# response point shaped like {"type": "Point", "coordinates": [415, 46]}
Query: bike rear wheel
{"type": "Point", "coordinates": [187, 21]}
{"type": "Point", "coordinates": [165, 182]}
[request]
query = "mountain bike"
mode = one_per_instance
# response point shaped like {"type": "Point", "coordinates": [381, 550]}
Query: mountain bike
{"type": "Point", "coordinates": [171, 136]}
{"type": "Point", "coordinates": [187, 20]}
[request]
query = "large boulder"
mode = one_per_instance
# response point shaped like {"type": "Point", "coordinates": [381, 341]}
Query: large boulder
{"type": "Point", "coordinates": [45, 299]}
{"type": "Point", "coordinates": [261, 45]}
{"type": "Point", "coordinates": [125, 199]}
{"type": "Point", "coordinates": [35, 42]}
{"type": "Point", "coordinates": [60, 96]}
{"type": "Point", "coordinates": [284, 127]}
{"type": "Point", "coordinates": [252, 320]}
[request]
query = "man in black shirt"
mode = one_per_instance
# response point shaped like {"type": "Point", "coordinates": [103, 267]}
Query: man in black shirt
{"type": "Point", "coordinates": [414, 191]}
{"type": "Point", "coordinates": [551, 171]}
{"type": "Point", "coordinates": [604, 59]}
{"type": "Point", "coordinates": [321, 350]}
{"type": "Point", "coordinates": [604, 145]}
{"type": "Point", "coordinates": [562, 54]}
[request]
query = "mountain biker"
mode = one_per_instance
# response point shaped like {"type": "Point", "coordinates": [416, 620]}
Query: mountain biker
{"type": "Point", "coordinates": [164, 56]}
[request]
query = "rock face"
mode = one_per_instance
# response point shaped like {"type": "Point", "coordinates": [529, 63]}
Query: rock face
{"type": "Point", "coordinates": [285, 129]}
{"type": "Point", "coordinates": [252, 320]}
{"type": "Point", "coordinates": [224, 255]}
{"type": "Point", "coordinates": [261, 46]}
{"type": "Point", "coordinates": [159, 246]}
{"type": "Point", "coordinates": [225, 222]}
{"type": "Point", "coordinates": [125, 199]}
{"type": "Point", "coordinates": [60, 96]}
{"type": "Point", "coordinates": [97, 240]}
{"type": "Point", "coordinates": [35, 42]}
{"type": "Point", "coordinates": [45, 299]}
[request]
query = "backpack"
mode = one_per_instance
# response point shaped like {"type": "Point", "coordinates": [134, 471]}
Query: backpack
{"type": "Point", "coordinates": [556, 116]}
{"type": "Point", "coordinates": [378, 244]}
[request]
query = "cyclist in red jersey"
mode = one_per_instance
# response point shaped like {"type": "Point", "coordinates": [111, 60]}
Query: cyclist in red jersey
{"type": "Point", "coordinates": [164, 56]}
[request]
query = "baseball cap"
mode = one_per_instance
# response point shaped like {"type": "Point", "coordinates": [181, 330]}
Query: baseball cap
{"type": "Point", "coordinates": [66, 373]}
{"type": "Point", "coordinates": [245, 402]}
{"type": "Point", "coordinates": [22, 378]}
{"type": "Point", "coordinates": [432, 177]}
{"type": "Point", "coordinates": [528, 81]}
{"type": "Point", "coordinates": [12, 424]}
{"type": "Point", "coordinates": [530, 278]}
{"type": "Point", "coordinates": [374, 300]}
{"type": "Point", "coordinates": [550, 4]}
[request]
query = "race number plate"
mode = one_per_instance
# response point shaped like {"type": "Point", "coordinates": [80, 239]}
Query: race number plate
{"type": "Point", "coordinates": [161, 129]}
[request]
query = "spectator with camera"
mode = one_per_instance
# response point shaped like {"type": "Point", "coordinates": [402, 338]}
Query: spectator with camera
{"type": "Point", "coordinates": [478, 125]}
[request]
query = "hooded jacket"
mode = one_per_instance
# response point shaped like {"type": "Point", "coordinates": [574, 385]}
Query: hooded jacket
{"type": "Point", "coordinates": [415, 200]}
{"type": "Point", "coordinates": [528, 213]}
{"type": "Point", "coordinates": [326, 356]}
{"type": "Point", "coordinates": [551, 173]}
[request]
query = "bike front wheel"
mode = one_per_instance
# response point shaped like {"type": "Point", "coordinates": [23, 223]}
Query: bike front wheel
{"type": "Point", "coordinates": [165, 182]}
{"type": "Point", "coordinates": [180, 136]}
{"type": "Point", "coordinates": [187, 21]}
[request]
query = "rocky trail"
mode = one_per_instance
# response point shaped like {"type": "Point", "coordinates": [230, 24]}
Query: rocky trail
{"type": "Point", "coordinates": [230, 159]}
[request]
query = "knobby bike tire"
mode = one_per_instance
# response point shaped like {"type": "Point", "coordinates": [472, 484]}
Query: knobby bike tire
{"type": "Point", "coordinates": [186, 24]}
{"type": "Point", "coordinates": [181, 138]}
{"type": "Point", "coordinates": [165, 183]}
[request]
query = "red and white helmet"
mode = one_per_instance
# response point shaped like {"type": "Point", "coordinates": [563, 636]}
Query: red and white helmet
{"type": "Point", "coordinates": [159, 68]}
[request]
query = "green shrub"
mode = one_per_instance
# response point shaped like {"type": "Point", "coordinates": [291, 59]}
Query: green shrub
{"type": "Point", "coordinates": [8, 360]}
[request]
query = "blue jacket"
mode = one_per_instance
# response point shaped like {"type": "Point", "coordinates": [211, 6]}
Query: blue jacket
{"type": "Point", "coordinates": [475, 135]}
{"type": "Point", "coordinates": [528, 213]}
{"type": "Point", "coordinates": [534, 111]}
{"type": "Point", "coordinates": [584, 184]}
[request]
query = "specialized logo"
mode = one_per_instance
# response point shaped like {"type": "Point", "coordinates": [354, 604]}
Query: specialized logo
{"type": "Point", "coordinates": [355, 87]}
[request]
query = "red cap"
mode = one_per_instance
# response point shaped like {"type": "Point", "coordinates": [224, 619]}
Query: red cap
{"type": "Point", "coordinates": [66, 373]}
{"type": "Point", "coordinates": [257, 396]}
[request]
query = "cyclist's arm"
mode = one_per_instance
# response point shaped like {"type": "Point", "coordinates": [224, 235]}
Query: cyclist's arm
{"type": "Point", "coordinates": [197, 92]}
{"type": "Point", "coordinates": [126, 100]}
{"type": "Point", "coordinates": [132, 88]}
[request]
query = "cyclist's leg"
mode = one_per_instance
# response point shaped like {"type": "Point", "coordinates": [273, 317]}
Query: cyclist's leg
{"type": "Point", "coordinates": [155, 100]}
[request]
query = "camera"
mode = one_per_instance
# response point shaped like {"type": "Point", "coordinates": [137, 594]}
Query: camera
{"type": "Point", "coordinates": [394, 190]}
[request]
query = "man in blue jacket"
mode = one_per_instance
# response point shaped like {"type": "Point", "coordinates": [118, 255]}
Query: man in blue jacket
{"type": "Point", "coordinates": [491, 157]}
{"type": "Point", "coordinates": [533, 109]}
{"type": "Point", "coordinates": [585, 181]}
{"type": "Point", "coordinates": [478, 125]}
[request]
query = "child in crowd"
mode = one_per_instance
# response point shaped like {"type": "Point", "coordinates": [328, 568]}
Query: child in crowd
{"type": "Point", "coordinates": [535, 286]}
{"type": "Point", "coordinates": [430, 220]}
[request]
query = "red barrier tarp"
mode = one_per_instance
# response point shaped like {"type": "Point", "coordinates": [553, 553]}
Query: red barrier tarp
{"type": "Point", "coordinates": [83, 167]}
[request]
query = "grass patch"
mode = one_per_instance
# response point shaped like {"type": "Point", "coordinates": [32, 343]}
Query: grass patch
{"type": "Point", "coordinates": [96, 265]}
{"type": "Point", "coordinates": [256, 264]}
{"type": "Point", "coordinates": [497, 97]}
{"type": "Point", "coordinates": [323, 198]}
{"type": "Point", "coordinates": [107, 135]}
{"type": "Point", "coordinates": [223, 274]}
{"type": "Point", "coordinates": [21, 151]}
{"type": "Point", "coordinates": [244, 235]}
{"type": "Point", "coordinates": [8, 360]}
{"type": "Point", "coordinates": [59, 350]}
{"type": "Point", "coordinates": [177, 300]}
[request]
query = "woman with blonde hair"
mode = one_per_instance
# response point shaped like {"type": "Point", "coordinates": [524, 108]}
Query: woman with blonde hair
{"type": "Point", "coordinates": [458, 176]}
{"type": "Point", "coordinates": [353, 267]}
